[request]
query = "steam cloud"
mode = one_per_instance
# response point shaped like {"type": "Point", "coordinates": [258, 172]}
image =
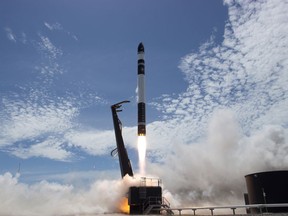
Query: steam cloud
{"type": "Point", "coordinates": [49, 198]}
{"type": "Point", "coordinates": [211, 172]}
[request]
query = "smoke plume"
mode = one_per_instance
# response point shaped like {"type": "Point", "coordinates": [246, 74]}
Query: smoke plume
{"type": "Point", "coordinates": [212, 171]}
{"type": "Point", "coordinates": [50, 198]}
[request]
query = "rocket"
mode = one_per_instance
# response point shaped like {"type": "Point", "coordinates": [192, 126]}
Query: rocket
{"type": "Point", "coordinates": [141, 91]}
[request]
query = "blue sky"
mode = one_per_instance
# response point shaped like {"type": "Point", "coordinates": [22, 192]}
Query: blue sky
{"type": "Point", "coordinates": [67, 63]}
{"type": "Point", "coordinates": [216, 81]}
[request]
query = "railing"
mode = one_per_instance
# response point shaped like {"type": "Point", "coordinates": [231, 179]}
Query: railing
{"type": "Point", "coordinates": [157, 204]}
{"type": "Point", "coordinates": [150, 182]}
{"type": "Point", "coordinates": [165, 201]}
{"type": "Point", "coordinates": [166, 207]}
{"type": "Point", "coordinates": [233, 208]}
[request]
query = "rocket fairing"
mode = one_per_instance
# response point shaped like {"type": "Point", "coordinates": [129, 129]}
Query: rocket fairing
{"type": "Point", "coordinates": [141, 92]}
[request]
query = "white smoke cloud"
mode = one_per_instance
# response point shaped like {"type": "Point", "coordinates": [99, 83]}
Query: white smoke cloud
{"type": "Point", "coordinates": [51, 198]}
{"type": "Point", "coordinates": [212, 171]}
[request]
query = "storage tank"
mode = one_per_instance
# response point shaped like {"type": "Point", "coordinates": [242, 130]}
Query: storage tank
{"type": "Point", "coordinates": [268, 188]}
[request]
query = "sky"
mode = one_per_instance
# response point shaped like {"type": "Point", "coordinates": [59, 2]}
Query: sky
{"type": "Point", "coordinates": [216, 98]}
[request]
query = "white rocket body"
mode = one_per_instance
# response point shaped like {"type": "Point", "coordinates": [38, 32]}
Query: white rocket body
{"type": "Point", "coordinates": [141, 92]}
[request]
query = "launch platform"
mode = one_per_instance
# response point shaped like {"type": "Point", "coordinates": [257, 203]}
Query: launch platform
{"type": "Point", "coordinates": [147, 198]}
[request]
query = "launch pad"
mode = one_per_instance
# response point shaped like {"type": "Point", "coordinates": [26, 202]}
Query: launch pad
{"type": "Point", "coordinates": [146, 198]}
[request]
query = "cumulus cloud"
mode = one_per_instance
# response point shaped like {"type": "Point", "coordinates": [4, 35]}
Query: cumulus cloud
{"type": "Point", "coordinates": [232, 118]}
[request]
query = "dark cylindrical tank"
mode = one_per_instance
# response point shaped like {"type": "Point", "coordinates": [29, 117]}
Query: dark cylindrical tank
{"type": "Point", "coordinates": [268, 188]}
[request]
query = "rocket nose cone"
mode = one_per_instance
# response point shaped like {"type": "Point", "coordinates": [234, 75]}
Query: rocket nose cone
{"type": "Point", "coordinates": [140, 47]}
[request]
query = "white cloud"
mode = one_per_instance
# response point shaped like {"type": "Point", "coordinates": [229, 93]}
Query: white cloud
{"type": "Point", "coordinates": [23, 38]}
{"type": "Point", "coordinates": [93, 142]}
{"type": "Point", "coordinates": [37, 123]}
{"type": "Point", "coordinates": [58, 27]}
{"type": "Point", "coordinates": [46, 45]}
{"type": "Point", "coordinates": [27, 119]}
{"type": "Point", "coordinates": [247, 72]}
{"type": "Point", "coordinates": [32, 129]}
{"type": "Point", "coordinates": [10, 35]}
{"type": "Point", "coordinates": [99, 142]}
{"type": "Point", "coordinates": [50, 148]}
{"type": "Point", "coordinates": [53, 26]}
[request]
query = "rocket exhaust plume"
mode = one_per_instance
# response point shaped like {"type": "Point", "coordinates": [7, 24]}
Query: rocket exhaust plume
{"type": "Point", "coordinates": [141, 109]}
{"type": "Point", "coordinates": [142, 153]}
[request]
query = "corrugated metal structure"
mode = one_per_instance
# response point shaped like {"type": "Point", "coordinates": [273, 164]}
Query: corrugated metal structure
{"type": "Point", "coordinates": [268, 188]}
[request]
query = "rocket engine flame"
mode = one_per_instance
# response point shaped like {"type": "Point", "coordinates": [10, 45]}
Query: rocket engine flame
{"type": "Point", "coordinates": [142, 153]}
{"type": "Point", "coordinates": [124, 206]}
